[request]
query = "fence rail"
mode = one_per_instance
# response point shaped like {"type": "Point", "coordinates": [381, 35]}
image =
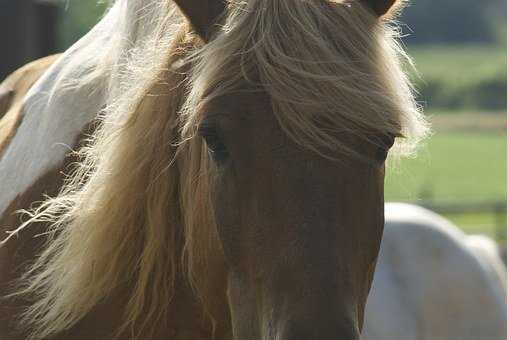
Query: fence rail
{"type": "Point", "coordinates": [497, 208]}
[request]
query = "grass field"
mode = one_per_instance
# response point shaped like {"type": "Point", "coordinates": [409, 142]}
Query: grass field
{"type": "Point", "coordinates": [453, 166]}
{"type": "Point", "coordinates": [462, 77]}
{"type": "Point", "coordinates": [460, 63]}
{"type": "Point", "coordinates": [465, 160]}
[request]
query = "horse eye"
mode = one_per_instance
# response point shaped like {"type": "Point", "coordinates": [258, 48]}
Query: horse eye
{"type": "Point", "coordinates": [216, 146]}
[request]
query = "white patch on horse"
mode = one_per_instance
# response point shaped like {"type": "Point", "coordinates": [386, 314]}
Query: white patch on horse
{"type": "Point", "coordinates": [433, 282]}
{"type": "Point", "coordinates": [52, 122]}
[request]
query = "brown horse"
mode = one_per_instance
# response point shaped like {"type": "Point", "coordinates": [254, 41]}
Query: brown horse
{"type": "Point", "coordinates": [228, 181]}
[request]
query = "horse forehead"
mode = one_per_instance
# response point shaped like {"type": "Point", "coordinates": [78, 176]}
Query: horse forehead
{"type": "Point", "coordinates": [242, 106]}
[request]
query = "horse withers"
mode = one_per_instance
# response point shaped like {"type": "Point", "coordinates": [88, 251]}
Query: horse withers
{"type": "Point", "coordinates": [228, 178]}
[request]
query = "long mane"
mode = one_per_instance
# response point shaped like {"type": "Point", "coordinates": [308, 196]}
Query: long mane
{"type": "Point", "coordinates": [127, 217]}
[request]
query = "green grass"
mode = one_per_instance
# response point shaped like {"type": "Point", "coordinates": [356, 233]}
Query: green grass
{"type": "Point", "coordinates": [480, 224]}
{"type": "Point", "coordinates": [456, 165]}
{"type": "Point", "coordinates": [462, 77]}
{"type": "Point", "coordinates": [475, 223]}
{"type": "Point", "coordinates": [460, 63]}
{"type": "Point", "coordinates": [453, 166]}
{"type": "Point", "coordinates": [466, 160]}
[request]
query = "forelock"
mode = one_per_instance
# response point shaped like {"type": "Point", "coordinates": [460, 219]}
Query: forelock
{"type": "Point", "coordinates": [325, 64]}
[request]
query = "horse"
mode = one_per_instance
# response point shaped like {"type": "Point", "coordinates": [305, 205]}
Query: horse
{"type": "Point", "coordinates": [433, 282]}
{"type": "Point", "coordinates": [206, 169]}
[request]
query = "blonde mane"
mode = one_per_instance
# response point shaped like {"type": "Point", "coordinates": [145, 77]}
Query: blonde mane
{"type": "Point", "coordinates": [323, 63]}
{"type": "Point", "coordinates": [125, 217]}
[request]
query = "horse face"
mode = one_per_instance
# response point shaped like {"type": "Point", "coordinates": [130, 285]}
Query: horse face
{"type": "Point", "coordinates": [300, 233]}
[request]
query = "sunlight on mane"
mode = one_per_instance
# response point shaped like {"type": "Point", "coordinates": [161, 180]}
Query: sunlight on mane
{"type": "Point", "coordinates": [125, 208]}
{"type": "Point", "coordinates": [326, 64]}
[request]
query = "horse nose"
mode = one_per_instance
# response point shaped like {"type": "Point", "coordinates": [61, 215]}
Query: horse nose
{"type": "Point", "coordinates": [318, 331]}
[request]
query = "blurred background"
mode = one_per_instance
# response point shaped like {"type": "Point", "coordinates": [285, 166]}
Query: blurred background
{"type": "Point", "coordinates": [460, 50]}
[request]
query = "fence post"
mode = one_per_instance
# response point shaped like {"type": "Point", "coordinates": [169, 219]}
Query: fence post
{"type": "Point", "coordinates": [500, 212]}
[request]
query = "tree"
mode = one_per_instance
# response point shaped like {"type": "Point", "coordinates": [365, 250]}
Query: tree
{"type": "Point", "coordinates": [449, 21]}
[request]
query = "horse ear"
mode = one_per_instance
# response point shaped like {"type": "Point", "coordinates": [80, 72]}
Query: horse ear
{"type": "Point", "coordinates": [202, 14]}
{"type": "Point", "coordinates": [384, 8]}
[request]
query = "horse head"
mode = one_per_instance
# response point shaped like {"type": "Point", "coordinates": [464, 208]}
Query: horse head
{"type": "Point", "coordinates": [295, 120]}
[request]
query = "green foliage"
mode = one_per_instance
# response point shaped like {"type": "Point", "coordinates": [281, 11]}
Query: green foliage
{"type": "Point", "coordinates": [457, 77]}
{"type": "Point", "coordinates": [77, 17]}
{"type": "Point", "coordinates": [450, 21]}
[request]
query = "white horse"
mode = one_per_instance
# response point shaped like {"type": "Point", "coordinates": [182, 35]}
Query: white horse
{"type": "Point", "coordinates": [433, 282]}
